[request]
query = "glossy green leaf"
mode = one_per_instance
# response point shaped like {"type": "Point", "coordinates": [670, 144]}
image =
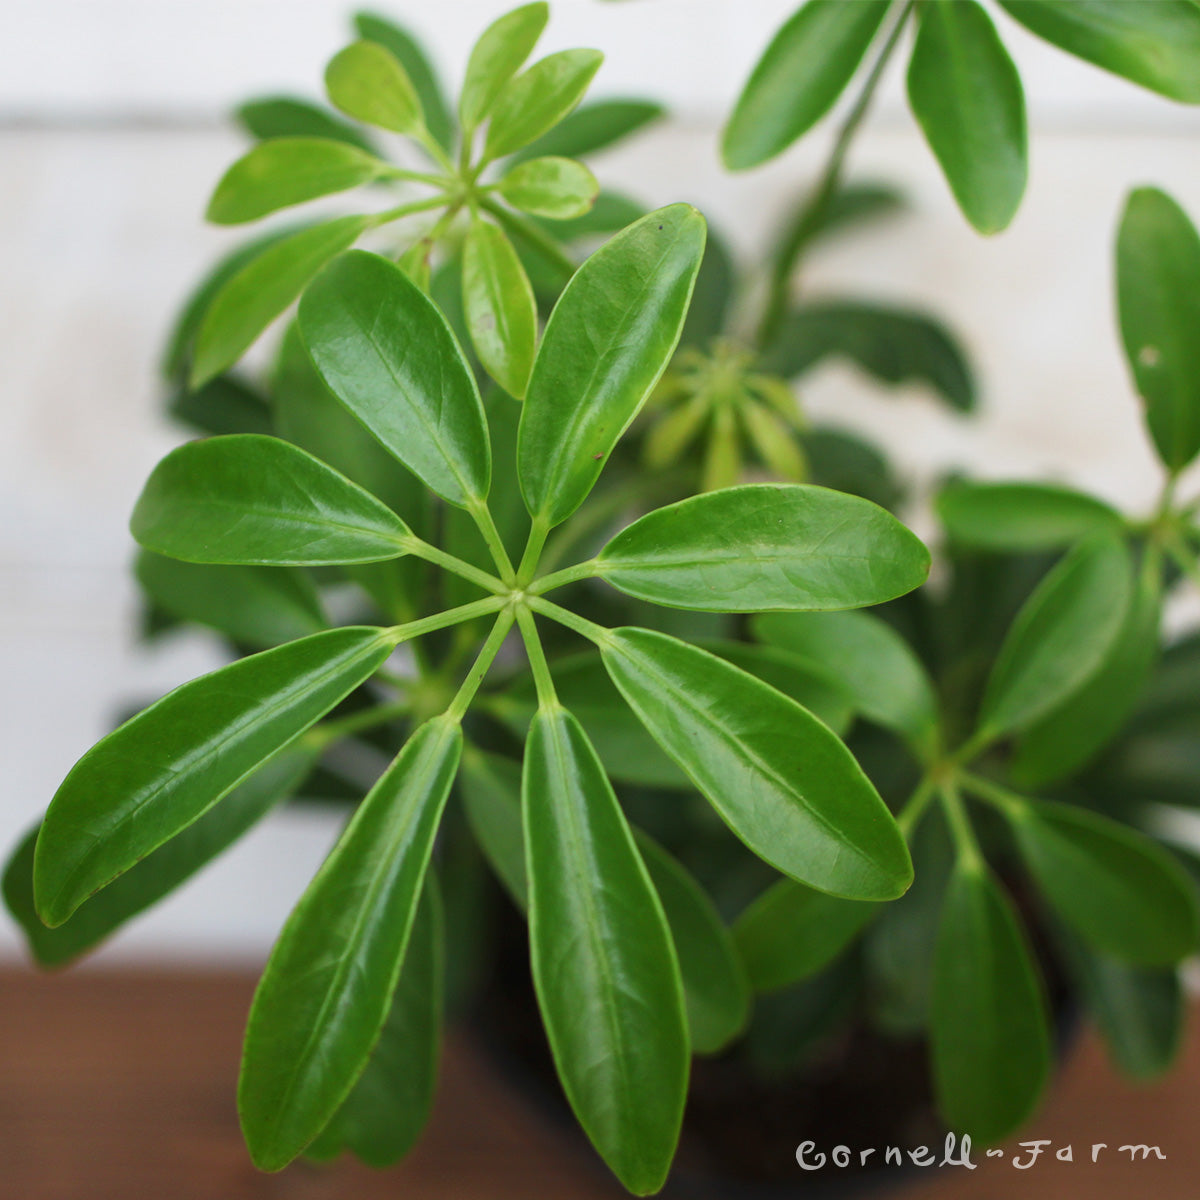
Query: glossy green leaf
{"type": "Point", "coordinates": [967, 97]}
{"type": "Point", "coordinates": [500, 307]}
{"type": "Point", "coordinates": [1155, 44]}
{"type": "Point", "coordinates": [874, 665]}
{"type": "Point", "coordinates": [538, 99]}
{"type": "Point", "coordinates": [557, 188]}
{"type": "Point", "coordinates": [604, 967]}
{"type": "Point", "coordinates": [285, 171]}
{"type": "Point", "coordinates": [1158, 295]}
{"type": "Point", "coordinates": [250, 499]}
{"type": "Point", "coordinates": [386, 352]}
{"type": "Point", "coordinates": [287, 116]}
{"type": "Point", "coordinates": [989, 1032]}
{"type": "Point", "coordinates": [780, 779]}
{"type": "Point", "coordinates": [791, 932]}
{"type": "Point", "coordinates": [160, 872]}
{"type": "Point", "coordinates": [610, 337]}
{"type": "Point", "coordinates": [799, 77]}
{"type": "Point", "coordinates": [389, 1106]}
{"type": "Point", "coordinates": [327, 989]}
{"type": "Point", "coordinates": [766, 546]}
{"type": "Point", "coordinates": [366, 82]}
{"type": "Point", "coordinates": [594, 126]}
{"type": "Point", "coordinates": [156, 774]}
{"type": "Point", "coordinates": [1017, 517]}
{"type": "Point", "coordinates": [1061, 637]}
{"type": "Point", "coordinates": [250, 300]}
{"type": "Point", "coordinates": [1121, 892]}
{"type": "Point", "coordinates": [496, 58]}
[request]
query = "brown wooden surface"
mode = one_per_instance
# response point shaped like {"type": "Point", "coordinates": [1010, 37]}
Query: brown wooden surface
{"type": "Point", "coordinates": [121, 1085]}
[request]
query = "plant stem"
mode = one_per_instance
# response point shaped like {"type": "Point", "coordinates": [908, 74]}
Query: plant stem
{"type": "Point", "coordinates": [547, 696]}
{"type": "Point", "coordinates": [407, 210]}
{"type": "Point", "coordinates": [547, 583]}
{"type": "Point", "coordinates": [1183, 557]}
{"type": "Point", "coordinates": [479, 669]}
{"type": "Point", "coordinates": [404, 173]}
{"type": "Point", "coordinates": [538, 532]}
{"type": "Point", "coordinates": [914, 809]}
{"type": "Point", "coordinates": [422, 549]}
{"type": "Point", "coordinates": [960, 826]}
{"type": "Point", "coordinates": [439, 156]}
{"type": "Point", "coordinates": [573, 621]}
{"type": "Point", "coordinates": [1009, 803]}
{"type": "Point", "coordinates": [369, 718]}
{"type": "Point", "coordinates": [531, 233]}
{"type": "Point", "coordinates": [482, 516]}
{"type": "Point", "coordinates": [808, 219]}
{"type": "Point", "coordinates": [452, 616]}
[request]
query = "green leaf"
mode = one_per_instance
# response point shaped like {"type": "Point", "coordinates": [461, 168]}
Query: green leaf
{"type": "Point", "coordinates": [500, 307]}
{"type": "Point", "coordinates": [791, 932]}
{"type": "Point", "coordinates": [610, 337]}
{"type": "Point", "coordinates": [160, 872]}
{"type": "Point", "coordinates": [249, 499]}
{"type": "Point", "coordinates": [989, 1033]}
{"type": "Point", "coordinates": [389, 1106]}
{"type": "Point", "coordinates": [223, 405]}
{"type": "Point", "coordinates": [799, 77]}
{"type": "Point", "coordinates": [604, 966]}
{"type": "Point", "coordinates": [327, 989]}
{"type": "Point", "coordinates": [258, 606]}
{"type": "Point", "coordinates": [538, 99]}
{"type": "Point", "coordinates": [1019, 517]}
{"type": "Point", "coordinates": [1122, 893]}
{"type": "Point", "coordinates": [496, 58]}
{"type": "Point", "coordinates": [778, 777]}
{"type": "Point", "coordinates": [285, 171]}
{"type": "Point", "coordinates": [366, 82]}
{"type": "Point", "coordinates": [766, 546]}
{"type": "Point", "coordinates": [592, 127]}
{"type": "Point", "coordinates": [556, 188]}
{"type": "Point", "coordinates": [1156, 45]}
{"type": "Point", "coordinates": [412, 58]}
{"type": "Point", "coordinates": [491, 793]}
{"type": "Point", "coordinates": [156, 774]}
{"type": "Point", "coordinates": [712, 295]}
{"type": "Point", "coordinates": [386, 352]}
{"type": "Point", "coordinates": [873, 664]}
{"type": "Point", "coordinates": [1158, 296]}
{"type": "Point", "coordinates": [775, 444]}
{"type": "Point", "coordinates": [252, 298]}
{"type": "Point", "coordinates": [1060, 638]}
{"type": "Point", "coordinates": [966, 95]}
{"type": "Point", "coordinates": [847, 463]}
{"type": "Point", "coordinates": [287, 116]}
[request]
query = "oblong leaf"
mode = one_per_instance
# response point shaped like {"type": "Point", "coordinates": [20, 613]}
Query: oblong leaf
{"type": "Point", "coordinates": [604, 967]}
{"type": "Point", "coordinates": [557, 188]}
{"type": "Point", "coordinates": [288, 116]}
{"type": "Point", "coordinates": [608, 340]}
{"type": "Point", "coordinates": [988, 1029]}
{"type": "Point", "coordinates": [779, 778]}
{"type": "Point", "coordinates": [594, 126]}
{"type": "Point", "coordinates": [1158, 297]}
{"type": "Point", "coordinates": [801, 73]}
{"type": "Point", "coordinates": [329, 983]}
{"type": "Point", "coordinates": [386, 352]}
{"type": "Point", "coordinates": [161, 770]}
{"type": "Point", "coordinates": [766, 546]}
{"type": "Point", "coordinates": [1021, 516]}
{"type": "Point", "coordinates": [260, 500]}
{"type": "Point", "coordinates": [496, 57]}
{"type": "Point", "coordinates": [491, 793]}
{"type": "Point", "coordinates": [966, 95]}
{"type": "Point", "coordinates": [285, 171]}
{"type": "Point", "coordinates": [367, 83]}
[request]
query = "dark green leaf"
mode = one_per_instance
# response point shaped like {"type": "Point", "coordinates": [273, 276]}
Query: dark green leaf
{"type": "Point", "coordinates": [847, 463]}
{"type": "Point", "coordinates": [496, 58]}
{"type": "Point", "coordinates": [225, 404]}
{"type": "Point", "coordinates": [491, 792]}
{"type": "Point", "coordinates": [287, 116]}
{"type": "Point", "coordinates": [593, 127]}
{"type": "Point", "coordinates": [711, 296]}
{"type": "Point", "coordinates": [1021, 516]}
{"type": "Point", "coordinates": [609, 214]}
{"type": "Point", "coordinates": [366, 82]}
{"type": "Point", "coordinates": [555, 188]}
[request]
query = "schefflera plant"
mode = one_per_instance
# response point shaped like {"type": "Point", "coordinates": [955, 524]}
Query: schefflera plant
{"type": "Point", "coordinates": [346, 1009]}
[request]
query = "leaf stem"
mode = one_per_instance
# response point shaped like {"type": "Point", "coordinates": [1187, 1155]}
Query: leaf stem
{"type": "Point", "coordinates": [914, 809]}
{"type": "Point", "coordinates": [407, 210]}
{"type": "Point", "coordinates": [434, 150]}
{"type": "Point", "coordinates": [422, 549]}
{"type": "Point", "coordinates": [573, 621]}
{"type": "Point", "coordinates": [1009, 803]}
{"type": "Point", "coordinates": [547, 696]}
{"type": "Point", "coordinates": [539, 530]}
{"type": "Point", "coordinates": [960, 826]}
{"type": "Point", "coordinates": [532, 234]}
{"type": "Point", "coordinates": [369, 718]}
{"type": "Point", "coordinates": [419, 177]}
{"type": "Point", "coordinates": [479, 669]}
{"type": "Point", "coordinates": [547, 583]}
{"type": "Point", "coordinates": [482, 516]}
{"type": "Point", "coordinates": [1184, 559]}
{"type": "Point", "coordinates": [452, 616]}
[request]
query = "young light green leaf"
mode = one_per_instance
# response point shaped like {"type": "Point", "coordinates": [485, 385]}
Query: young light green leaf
{"type": "Point", "coordinates": [558, 188]}
{"type": "Point", "coordinates": [766, 546]}
{"type": "Point", "coordinates": [250, 499]}
{"type": "Point", "coordinates": [389, 1106]}
{"type": "Point", "coordinates": [988, 1027]}
{"type": "Point", "coordinates": [608, 340]}
{"type": "Point", "coordinates": [875, 666]}
{"type": "Point", "coordinates": [496, 58]}
{"type": "Point", "coordinates": [799, 77]}
{"type": "Point", "coordinates": [774, 443]}
{"type": "Point", "coordinates": [500, 307]}
{"type": "Point", "coordinates": [1122, 893]}
{"type": "Point", "coordinates": [779, 778]}
{"type": "Point", "coordinates": [285, 171]}
{"type": "Point", "coordinates": [1156, 45]}
{"type": "Point", "coordinates": [166, 767]}
{"type": "Point", "coordinates": [604, 966]}
{"type": "Point", "coordinates": [592, 127]}
{"type": "Point", "coordinates": [253, 297]}
{"type": "Point", "coordinates": [387, 353]}
{"type": "Point", "coordinates": [367, 83]}
{"type": "Point", "coordinates": [259, 606]}
{"type": "Point", "coordinates": [328, 987]}
{"type": "Point", "coordinates": [1158, 295]}
{"type": "Point", "coordinates": [791, 932]}
{"type": "Point", "coordinates": [966, 95]}
{"type": "Point", "coordinates": [1060, 638]}
{"type": "Point", "coordinates": [286, 116]}
{"type": "Point", "coordinates": [1018, 517]}
{"type": "Point", "coordinates": [160, 872]}
{"type": "Point", "coordinates": [538, 99]}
